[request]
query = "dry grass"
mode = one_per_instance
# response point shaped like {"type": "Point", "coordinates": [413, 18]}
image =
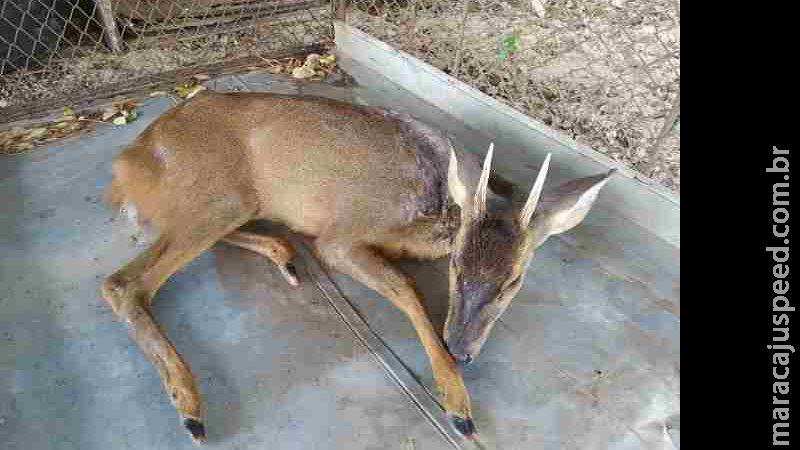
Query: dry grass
{"type": "Point", "coordinates": [605, 72]}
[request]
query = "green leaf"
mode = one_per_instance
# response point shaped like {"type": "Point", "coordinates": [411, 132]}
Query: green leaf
{"type": "Point", "coordinates": [132, 115]}
{"type": "Point", "coordinates": [509, 44]}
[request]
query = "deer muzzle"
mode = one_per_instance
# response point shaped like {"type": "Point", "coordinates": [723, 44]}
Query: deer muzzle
{"type": "Point", "coordinates": [468, 329]}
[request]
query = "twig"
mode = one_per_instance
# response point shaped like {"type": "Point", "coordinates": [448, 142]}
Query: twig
{"type": "Point", "coordinates": [538, 7]}
{"type": "Point", "coordinates": [669, 123]}
{"type": "Point", "coordinates": [460, 47]}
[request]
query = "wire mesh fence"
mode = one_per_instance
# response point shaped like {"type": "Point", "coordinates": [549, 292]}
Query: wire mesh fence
{"type": "Point", "coordinates": [59, 49]}
{"type": "Point", "coordinates": [606, 72]}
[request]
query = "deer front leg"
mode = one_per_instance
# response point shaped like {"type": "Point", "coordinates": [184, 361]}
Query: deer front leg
{"type": "Point", "coordinates": [277, 249]}
{"type": "Point", "coordinates": [130, 291]}
{"type": "Point", "coordinates": [373, 270]}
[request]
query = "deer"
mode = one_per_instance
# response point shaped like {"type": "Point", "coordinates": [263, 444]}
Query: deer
{"type": "Point", "coordinates": [367, 185]}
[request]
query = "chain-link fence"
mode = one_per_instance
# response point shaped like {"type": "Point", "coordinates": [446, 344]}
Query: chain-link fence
{"type": "Point", "coordinates": [606, 72]}
{"type": "Point", "coordinates": [54, 50]}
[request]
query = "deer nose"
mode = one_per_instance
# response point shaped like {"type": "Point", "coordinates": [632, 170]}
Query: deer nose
{"type": "Point", "coordinates": [463, 358]}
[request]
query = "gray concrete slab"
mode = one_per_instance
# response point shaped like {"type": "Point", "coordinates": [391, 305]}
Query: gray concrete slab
{"type": "Point", "coordinates": [278, 368]}
{"type": "Point", "coordinates": [587, 356]}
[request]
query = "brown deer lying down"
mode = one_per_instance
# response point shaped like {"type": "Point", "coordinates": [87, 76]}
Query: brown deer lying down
{"type": "Point", "coordinates": [368, 184]}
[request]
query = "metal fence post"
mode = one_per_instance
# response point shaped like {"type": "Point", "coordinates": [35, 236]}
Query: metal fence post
{"type": "Point", "coordinates": [340, 11]}
{"type": "Point", "coordinates": [111, 33]}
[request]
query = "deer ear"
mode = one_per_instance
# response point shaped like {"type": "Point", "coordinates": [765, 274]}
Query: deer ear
{"type": "Point", "coordinates": [567, 205]}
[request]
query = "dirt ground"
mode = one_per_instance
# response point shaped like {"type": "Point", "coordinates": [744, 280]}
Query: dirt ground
{"type": "Point", "coordinates": [605, 72]}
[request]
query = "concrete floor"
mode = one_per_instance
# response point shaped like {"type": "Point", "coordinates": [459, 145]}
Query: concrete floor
{"type": "Point", "coordinates": [587, 356]}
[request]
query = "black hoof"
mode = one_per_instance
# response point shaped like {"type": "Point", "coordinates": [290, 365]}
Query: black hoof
{"type": "Point", "coordinates": [196, 429]}
{"type": "Point", "coordinates": [464, 426]}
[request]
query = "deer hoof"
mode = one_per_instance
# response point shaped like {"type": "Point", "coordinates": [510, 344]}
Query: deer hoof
{"type": "Point", "coordinates": [196, 429]}
{"type": "Point", "coordinates": [464, 426]}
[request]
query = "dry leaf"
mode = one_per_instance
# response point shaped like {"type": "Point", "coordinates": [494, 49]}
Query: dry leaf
{"type": "Point", "coordinates": [201, 77]}
{"type": "Point", "coordinates": [36, 133]}
{"type": "Point", "coordinates": [158, 94]}
{"type": "Point", "coordinates": [109, 113]}
{"type": "Point", "coordinates": [312, 59]}
{"type": "Point", "coordinates": [302, 72]}
{"type": "Point", "coordinates": [327, 60]}
{"type": "Point", "coordinates": [188, 90]}
{"type": "Point", "coordinates": [538, 6]}
{"type": "Point", "coordinates": [194, 91]}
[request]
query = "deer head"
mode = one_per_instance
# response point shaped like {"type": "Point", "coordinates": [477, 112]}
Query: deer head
{"type": "Point", "coordinates": [495, 243]}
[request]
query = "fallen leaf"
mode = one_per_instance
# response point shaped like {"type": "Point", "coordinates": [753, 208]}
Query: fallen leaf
{"type": "Point", "coordinates": [158, 94]}
{"type": "Point", "coordinates": [538, 7]}
{"type": "Point", "coordinates": [327, 60]}
{"type": "Point", "coordinates": [201, 77]}
{"type": "Point", "coordinates": [312, 60]}
{"type": "Point", "coordinates": [17, 131]}
{"type": "Point", "coordinates": [109, 113]}
{"type": "Point", "coordinates": [292, 64]}
{"type": "Point", "coordinates": [185, 90]}
{"type": "Point", "coordinates": [194, 91]}
{"type": "Point", "coordinates": [121, 120]}
{"type": "Point", "coordinates": [131, 105]}
{"type": "Point", "coordinates": [132, 115]}
{"type": "Point", "coordinates": [69, 111]}
{"type": "Point", "coordinates": [302, 72]}
{"type": "Point", "coordinates": [36, 133]}
{"type": "Point", "coordinates": [275, 69]}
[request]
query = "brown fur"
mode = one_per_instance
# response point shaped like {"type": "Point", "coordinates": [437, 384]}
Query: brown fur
{"type": "Point", "coordinates": [364, 182]}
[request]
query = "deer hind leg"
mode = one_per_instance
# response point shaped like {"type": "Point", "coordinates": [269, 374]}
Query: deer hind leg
{"type": "Point", "coordinates": [277, 249]}
{"type": "Point", "coordinates": [130, 291]}
{"type": "Point", "coordinates": [365, 265]}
